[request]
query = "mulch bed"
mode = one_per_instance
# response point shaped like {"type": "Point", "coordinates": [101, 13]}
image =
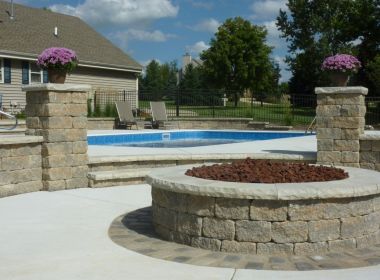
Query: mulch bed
{"type": "Point", "coordinates": [266, 171]}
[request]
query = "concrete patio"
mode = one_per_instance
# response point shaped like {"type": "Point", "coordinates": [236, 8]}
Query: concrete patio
{"type": "Point", "coordinates": [64, 234]}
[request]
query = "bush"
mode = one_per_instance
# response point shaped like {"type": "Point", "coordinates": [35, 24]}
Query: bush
{"type": "Point", "coordinates": [89, 108]}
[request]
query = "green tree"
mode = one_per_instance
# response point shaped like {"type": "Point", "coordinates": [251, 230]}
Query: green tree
{"type": "Point", "coordinates": [169, 72]}
{"type": "Point", "coordinates": [316, 29]}
{"type": "Point", "coordinates": [152, 80]}
{"type": "Point", "coordinates": [191, 78]}
{"type": "Point", "coordinates": [373, 73]}
{"type": "Point", "coordinates": [238, 57]}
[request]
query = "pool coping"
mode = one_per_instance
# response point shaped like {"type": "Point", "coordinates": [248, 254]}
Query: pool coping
{"type": "Point", "coordinates": [199, 156]}
{"type": "Point", "coordinates": [361, 182]}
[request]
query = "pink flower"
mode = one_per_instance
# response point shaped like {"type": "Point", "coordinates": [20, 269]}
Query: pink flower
{"type": "Point", "coordinates": [341, 63]}
{"type": "Point", "coordinates": [58, 58]}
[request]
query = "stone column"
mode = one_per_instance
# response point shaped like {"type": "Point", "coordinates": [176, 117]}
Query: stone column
{"type": "Point", "coordinates": [340, 122]}
{"type": "Point", "coordinates": [58, 112]}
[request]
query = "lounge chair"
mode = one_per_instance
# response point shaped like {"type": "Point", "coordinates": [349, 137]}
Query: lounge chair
{"type": "Point", "coordinates": [159, 115]}
{"type": "Point", "coordinates": [126, 118]}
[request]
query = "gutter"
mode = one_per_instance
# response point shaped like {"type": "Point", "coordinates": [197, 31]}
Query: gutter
{"type": "Point", "coordinates": [89, 64]}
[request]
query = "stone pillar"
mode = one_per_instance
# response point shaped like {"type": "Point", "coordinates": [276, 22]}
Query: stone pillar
{"type": "Point", "coordinates": [340, 122]}
{"type": "Point", "coordinates": [58, 112]}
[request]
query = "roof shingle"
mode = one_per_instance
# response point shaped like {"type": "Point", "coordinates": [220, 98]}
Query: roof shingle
{"type": "Point", "coordinates": [32, 31]}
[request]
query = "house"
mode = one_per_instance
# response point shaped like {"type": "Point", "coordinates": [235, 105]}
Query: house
{"type": "Point", "coordinates": [28, 31]}
{"type": "Point", "coordinates": [187, 60]}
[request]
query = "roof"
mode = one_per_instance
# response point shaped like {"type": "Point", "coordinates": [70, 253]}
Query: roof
{"type": "Point", "coordinates": [32, 30]}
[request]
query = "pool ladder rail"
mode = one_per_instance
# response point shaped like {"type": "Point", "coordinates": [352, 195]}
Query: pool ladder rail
{"type": "Point", "coordinates": [2, 113]}
{"type": "Point", "coordinates": [311, 128]}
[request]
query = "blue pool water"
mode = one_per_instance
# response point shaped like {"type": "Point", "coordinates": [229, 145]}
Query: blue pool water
{"type": "Point", "coordinates": [176, 139]}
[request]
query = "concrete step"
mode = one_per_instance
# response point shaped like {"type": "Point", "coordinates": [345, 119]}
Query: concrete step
{"type": "Point", "coordinates": [126, 170]}
{"type": "Point", "coordinates": [10, 123]}
{"type": "Point", "coordinates": [119, 177]}
{"type": "Point", "coordinates": [257, 125]}
{"type": "Point", "coordinates": [278, 127]}
{"type": "Point", "coordinates": [13, 131]}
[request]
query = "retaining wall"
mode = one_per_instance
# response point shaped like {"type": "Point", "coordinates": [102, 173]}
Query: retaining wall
{"type": "Point", "coordinates": [20, 165]}
{"type": "Point", "coordinates": [370, 152]}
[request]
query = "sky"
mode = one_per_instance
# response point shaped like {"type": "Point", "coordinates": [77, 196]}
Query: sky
{"type": "Point", "coordinates": [165, 30]}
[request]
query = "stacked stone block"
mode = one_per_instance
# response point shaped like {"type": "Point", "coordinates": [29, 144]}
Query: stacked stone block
{"type": "Point", "coordinates": [58, 113]}
{"type": "Point", "coordinates": [370, 152]}
{"type": "Point", "coordinates": [300, 227]}
{"type": "Point", "coordinates": [340, 122]}
{"type": "Point", "coordinates": [20, 165]}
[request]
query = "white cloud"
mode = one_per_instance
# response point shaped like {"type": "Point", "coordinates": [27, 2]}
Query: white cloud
{"type": "Point", "coordinates": [273, 37]}
{"type": "Point", "coordinates": [207, 25]}
{"type": "Point", "coordinates": [146, 62]}
{"type": "Point", "coordinates": [267, 9]}
{"type": "Point", "coordinates": [285, 74]}
{"type": "Point", "coordinates": [142, 35]}
{"type": "Point", "coordinates": [197, 48]}
{"type": "Point", "coordinates": [119, 12]}
{"type": "Point", "coordinates": [201, 5]}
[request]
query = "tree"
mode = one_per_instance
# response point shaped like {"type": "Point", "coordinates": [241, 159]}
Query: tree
{"type": "Point", "coordinates": [316, 29]}
{"type": "Point", "coordinates": [373, 69]}
{"type": "Point", "coordinates": [238, 57]}
{"type": "Point", "coordinates": [169, 73]}
{"type": "Point", "coordinates": [191, 79]}
{"type": "Point", "coordinates": [152, 81]}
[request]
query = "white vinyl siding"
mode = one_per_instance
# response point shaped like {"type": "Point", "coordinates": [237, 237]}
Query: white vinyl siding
{"type": "Point", "coordinates": [97, 78]}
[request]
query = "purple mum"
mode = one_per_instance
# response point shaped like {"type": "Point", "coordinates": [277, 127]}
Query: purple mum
{"type": "Point", "coordinates": [58, 58]}
{"type": "Point", "coordinates": [341, 63]}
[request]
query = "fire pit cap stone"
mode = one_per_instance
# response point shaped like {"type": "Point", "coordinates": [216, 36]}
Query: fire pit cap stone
{"type": "Point", "coordinates": [361, 182]}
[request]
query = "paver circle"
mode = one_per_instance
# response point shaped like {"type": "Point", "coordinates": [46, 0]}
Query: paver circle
{"type": "Point", "coordinates": [134, 231]}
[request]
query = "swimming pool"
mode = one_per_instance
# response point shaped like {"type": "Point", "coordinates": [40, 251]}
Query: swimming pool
{"type": "Point", "coordinates": [185, 138]}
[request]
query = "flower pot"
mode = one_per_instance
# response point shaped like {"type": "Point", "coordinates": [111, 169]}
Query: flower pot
{"type": "Point", "coordinates": [339, 79]}
{"type": "Point", "coordinates": [57, 76]}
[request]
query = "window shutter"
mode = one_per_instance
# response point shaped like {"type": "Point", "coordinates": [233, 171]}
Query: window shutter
{"type": "Point", "coordinates": [45, 76]}
{"type": "Point", "coordinates": [7, 71]}
{"type": "Point", "coordinates": [25, 72]}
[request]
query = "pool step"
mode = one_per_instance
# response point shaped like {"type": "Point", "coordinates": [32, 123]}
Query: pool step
{"type": "Point", "coordinates": [257, 125]}
{"type": "Point", "coordinates": [126, 170]}
{"type": "Point", "coordinates": [119, 177]}
{"type": "Point", "coordinates": [278, 127]}
{"type": "Point", "coordinates": [17, 131]}
{"type": "Point", "coordinates": [267, 126]}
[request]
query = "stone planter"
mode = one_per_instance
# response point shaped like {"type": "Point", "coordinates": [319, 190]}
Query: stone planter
{"type": "Point", "coordinates": [57, 76]}
{"type": "Point", "coordinates": [339, 79]}
{"type": "Point", "coordinates": [298, 218]}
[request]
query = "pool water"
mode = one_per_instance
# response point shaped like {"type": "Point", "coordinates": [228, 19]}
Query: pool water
{"type": "Point", "coordinates": [181, 143]}
{"type": "Point", "coordinates": [185, 138]}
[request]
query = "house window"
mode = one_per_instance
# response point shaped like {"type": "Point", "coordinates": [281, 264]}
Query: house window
{"type": "Point", "coordinates": [35, 74]}
{"type": "Point", "coordinates": [1, 71]}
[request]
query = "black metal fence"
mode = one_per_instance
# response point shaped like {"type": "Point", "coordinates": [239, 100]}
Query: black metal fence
{"type": "Point", "coordinates": [285, 110]}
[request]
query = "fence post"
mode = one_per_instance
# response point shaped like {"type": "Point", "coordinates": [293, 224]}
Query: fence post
{"type": "Point", "coordinates": [213, 106]}
{"type": "Point", "coordinates": [124, 95]}
{"type": "Point", "coordinates": [95, 101]}
{"type": "Point", "coordinates": [293, 104]}
{"type": "Point", "coordinates": [177, 103]}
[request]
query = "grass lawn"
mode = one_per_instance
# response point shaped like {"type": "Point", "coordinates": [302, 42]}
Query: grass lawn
{"type": "Point", "coordinates": [273, 113]}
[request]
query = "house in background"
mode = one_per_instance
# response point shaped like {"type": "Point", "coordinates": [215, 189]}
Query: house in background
{"type": "Point", "coordinates": [187, 60]}
{"type": "Point", "coordinates": [29, 31]}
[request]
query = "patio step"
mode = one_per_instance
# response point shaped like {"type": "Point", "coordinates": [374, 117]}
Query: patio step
{"type": "Point", "coordinates": [126, 170]}
{"type": "Point", "coordinates": [278, 127]}
{"type": "Point", "coordinates": [119, 177]}
{"type": "Point", "coordinates": [13, 131]}
{"type": "Point", "coordinates": [257, 125]}
{"type": "Point", "coordinates": [267, 126]}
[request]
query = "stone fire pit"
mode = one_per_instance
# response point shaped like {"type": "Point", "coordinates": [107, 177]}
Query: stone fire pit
{"type": "Point", "coordinates": [286, 218]}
